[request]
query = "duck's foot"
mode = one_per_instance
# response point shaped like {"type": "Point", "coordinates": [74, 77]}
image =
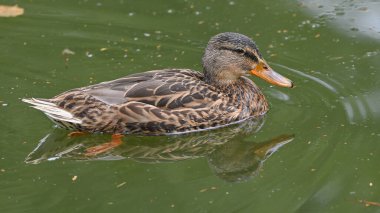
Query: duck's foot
{"type": "Point", "coordinates": [95, 150]}
{"type": "Point", "coordinates": [76, 134]}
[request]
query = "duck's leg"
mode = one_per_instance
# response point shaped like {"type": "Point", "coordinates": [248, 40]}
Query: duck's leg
{"type": "Point", "coordinates": [76, 134]}
{"type": "Point", "coordinates": [95, 150]}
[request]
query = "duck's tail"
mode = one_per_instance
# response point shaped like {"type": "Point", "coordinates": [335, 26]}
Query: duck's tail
{"type": "Point", "coordinates": [53, 111]}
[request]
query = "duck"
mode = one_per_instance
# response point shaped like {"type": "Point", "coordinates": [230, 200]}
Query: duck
{"type": "Point", "coordinates": [171, 101]}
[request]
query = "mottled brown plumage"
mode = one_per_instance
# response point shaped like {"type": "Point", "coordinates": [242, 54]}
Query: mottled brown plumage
{"type": "Point", "coordinates": [171, 100]}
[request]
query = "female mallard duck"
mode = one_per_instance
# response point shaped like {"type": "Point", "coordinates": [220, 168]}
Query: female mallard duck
{"type": "Point", "coordinates": [171, 100]}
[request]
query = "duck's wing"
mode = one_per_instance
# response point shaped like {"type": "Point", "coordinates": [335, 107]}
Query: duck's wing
{"type": "Point", "coordinates": [170, 89]}
{"type": "Point", "coordinates": [155, 102]}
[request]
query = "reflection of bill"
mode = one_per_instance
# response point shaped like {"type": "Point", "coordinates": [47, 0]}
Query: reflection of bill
{"type": "Point", "coordinates": [238, 161]}
{"type": "Point", "coordinates": [229, 156]}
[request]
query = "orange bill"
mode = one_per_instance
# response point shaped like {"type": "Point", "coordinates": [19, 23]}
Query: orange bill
{"type": "Point", "coordinates": [263, 71]}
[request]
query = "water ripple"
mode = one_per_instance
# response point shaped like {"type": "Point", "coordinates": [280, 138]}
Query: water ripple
{"type": "Point", "coordinates": [358, 108]}
{"type": "Point", "coordinates": [362, 107]}
{"type": "Point", "coordinates": [319, 81]}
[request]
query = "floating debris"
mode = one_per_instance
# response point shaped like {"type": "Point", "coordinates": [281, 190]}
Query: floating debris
{"type": "Point", "coordinates": [74, 178]}
{"type": "Point", "coordinates": [67, 51]}
{"type": "Point", "coordinates": [207, 189]}
{"type": "Point", "coordinates": [88, 54]}
{"type": "Point", "coordinates": [369, 203]}
{"type": "Point", "coordinates": [121, 184]}
{"type": "Point", "coordinates": [354, 29]}
{"type": "Point", "coordinates": [11, 11]}
{"type": "Point", "coordinates": [103, 49]}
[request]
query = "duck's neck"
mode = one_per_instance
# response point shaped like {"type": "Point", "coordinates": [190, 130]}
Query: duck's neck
{"type": "Point", "coordinates": [246, 95]}
{"type": "Point", "coordinates": [221, 80]}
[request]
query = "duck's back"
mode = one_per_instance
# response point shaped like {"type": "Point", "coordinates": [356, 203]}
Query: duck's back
{"type": "Point", "coordinates": [168, 89]}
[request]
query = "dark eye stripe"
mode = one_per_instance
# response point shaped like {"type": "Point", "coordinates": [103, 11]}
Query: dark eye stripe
{"type": "Point", "coordinates": [240, 51]}
{"type": "Point", "coordinates": [251, 56]}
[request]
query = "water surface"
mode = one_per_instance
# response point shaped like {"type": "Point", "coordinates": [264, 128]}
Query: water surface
{"type": "Point", "coordinates": [315, 151]}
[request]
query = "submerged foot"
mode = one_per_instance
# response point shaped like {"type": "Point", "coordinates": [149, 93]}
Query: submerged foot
{"type": "Point", "coordinates": [76, 134]}
{"type": "Point", "coordinates": [95, 150]}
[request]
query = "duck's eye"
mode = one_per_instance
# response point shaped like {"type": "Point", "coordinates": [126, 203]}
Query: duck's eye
{"type": "Point", "coordinates": [240, 51]}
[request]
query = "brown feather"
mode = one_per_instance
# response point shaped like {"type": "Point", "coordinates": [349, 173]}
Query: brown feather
{"type": "Point", "coordinates": [161, 102]}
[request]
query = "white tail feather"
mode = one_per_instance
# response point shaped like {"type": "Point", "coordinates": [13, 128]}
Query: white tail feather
{"type": "Point", "coordinates": [52, 110]}
{"type": "Point", "coordinates": [37, 102]}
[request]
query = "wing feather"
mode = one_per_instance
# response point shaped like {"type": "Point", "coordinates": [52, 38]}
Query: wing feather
{"type": "Point", "coordinates": [165, 88]}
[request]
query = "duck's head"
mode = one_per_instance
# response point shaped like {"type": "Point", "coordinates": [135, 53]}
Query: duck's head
{"type": "Point", "coordinates": [229, 56]}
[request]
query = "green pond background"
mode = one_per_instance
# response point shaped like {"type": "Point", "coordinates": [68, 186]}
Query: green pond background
{"type": "Point", "coordinates": [317, 150]}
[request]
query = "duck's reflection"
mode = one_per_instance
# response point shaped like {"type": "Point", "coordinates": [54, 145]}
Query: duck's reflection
{"type": "Point", "coordinates": [230, 153]}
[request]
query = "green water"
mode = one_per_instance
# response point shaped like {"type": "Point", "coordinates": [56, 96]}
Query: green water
{"type": "Point", "coordinates": [317, 150]}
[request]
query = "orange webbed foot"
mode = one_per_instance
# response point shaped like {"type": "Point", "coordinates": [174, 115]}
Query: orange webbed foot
{"type": "Point", "coordinates": [116, 140]}
{"type": "Point", "coordinates": [76, 134]}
